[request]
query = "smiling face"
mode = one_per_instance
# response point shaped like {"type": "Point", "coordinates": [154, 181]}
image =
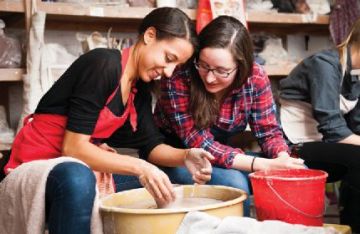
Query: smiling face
{"type": "Point", "coordinates": [160, 57]}
{"type": "Point", "coordinates": [222, 60]}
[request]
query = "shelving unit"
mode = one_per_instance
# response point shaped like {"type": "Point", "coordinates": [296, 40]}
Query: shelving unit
{"type": "Point", "coordinates": [12, 6]}
{"type": "Point", "coordinates": [286, 19]}
{"type": "Point", "coordinates": [11, 74]}
{"type": "Point", "coordinates": [114, 12]}
{"type": "Point", "coordinates": [278, 71]}
{"type": "Point", "coordinates": [131, 16]}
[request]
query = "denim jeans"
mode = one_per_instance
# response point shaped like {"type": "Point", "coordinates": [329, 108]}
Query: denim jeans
{"type": "Point", "coordinates": [180, 175]}
{"type": "Point", "coordinates": [220, 176]}
{"type": "Point", "coordinates": [124, 182]}
{"type": "Point", "coordinates": [69, 198]}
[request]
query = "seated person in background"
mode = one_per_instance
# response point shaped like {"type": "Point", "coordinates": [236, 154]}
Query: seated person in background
{"type": "Point", "coordinates": [214, 98]}
{"type": "Point", "coordinates": [320, 115]}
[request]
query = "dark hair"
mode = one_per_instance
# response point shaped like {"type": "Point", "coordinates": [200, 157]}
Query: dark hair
{"type": "Point", "coordinates": [222, 32]}
{"type": "Point", "coordinates": [169, 23]}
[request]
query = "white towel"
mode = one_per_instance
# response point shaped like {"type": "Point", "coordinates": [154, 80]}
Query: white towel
{"type": "Point", "coordinates": [199, 222]}
{"type": "Point", "coordinates": [22, 199]}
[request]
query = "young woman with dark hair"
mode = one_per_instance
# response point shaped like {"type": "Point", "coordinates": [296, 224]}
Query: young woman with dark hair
{"type": "Point", "coordinates": [216, 98]}
{"type": "Point", "coordinates": [104, 95]}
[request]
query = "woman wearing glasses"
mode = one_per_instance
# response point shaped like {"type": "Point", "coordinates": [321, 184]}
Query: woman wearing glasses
{"type": "Point", "coordinates": [217, 97]}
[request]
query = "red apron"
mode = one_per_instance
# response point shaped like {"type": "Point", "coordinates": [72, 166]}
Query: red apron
{"type": "Point", "coordinates": [42, 135]}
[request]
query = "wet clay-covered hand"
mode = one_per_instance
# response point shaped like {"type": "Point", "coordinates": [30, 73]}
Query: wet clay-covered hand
{"type": "Point", "coordinates": [157, 183]}
{"type": "Point", "coordinates": [286, 162]}
{"type": "Point", "coordinates": [197, 161]}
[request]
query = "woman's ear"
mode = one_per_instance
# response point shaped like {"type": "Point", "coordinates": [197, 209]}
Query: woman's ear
{"type": "Point", "coordinates": [149, 35]}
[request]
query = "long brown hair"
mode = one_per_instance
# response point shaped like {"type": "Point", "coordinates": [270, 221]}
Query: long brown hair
{"type": "Point", "coordinates": [228, 33]}
{"type": "Point", "coordinates": [353, 39]}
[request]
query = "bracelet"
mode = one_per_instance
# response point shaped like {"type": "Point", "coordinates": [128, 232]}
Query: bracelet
{"type": "Point", "coordinates": [252, 164]}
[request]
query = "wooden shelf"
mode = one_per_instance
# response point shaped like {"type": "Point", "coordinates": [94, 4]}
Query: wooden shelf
{"type": "Point", "coordinates": [123, 12]}
{"type": "Point", "coordinates": [117, 12]}
{"type": "Point", "coordinates": [278, 70]}
{"type": "Point", "coordinates": [285, 18]}
{"type": "Point", "coordinates": [11, 6]}
{"type": "Point", "coordinates": [11, 74]}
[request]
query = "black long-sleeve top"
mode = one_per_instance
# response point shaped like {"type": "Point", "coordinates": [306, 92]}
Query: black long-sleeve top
{"type": "Point", "coordinates": [82, 91]}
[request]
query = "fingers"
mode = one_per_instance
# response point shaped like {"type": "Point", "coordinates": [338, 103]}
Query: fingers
{"type": "Point", "coordinates": [296, 163]}
{"type": "Point", "coordinates": [159, 186]}
{"type": "Point", "coordinates": [207, 155]}
{"type": "Point", "coordinates": [165, 188]}
{"type": "Point", "coordinates": [201, 177]}
{"type": "Point", "coordinates": [300, 161]}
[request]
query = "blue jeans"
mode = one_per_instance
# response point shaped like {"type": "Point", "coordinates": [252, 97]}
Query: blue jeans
{"type": "Point", "coordinates": [124, 182]}
{"type": "Point", "coordinates": [69, 198]}
{"type": "Point", "coordinates": [220, 176]}
{"type": "Point", "coordinates": [180, 175]}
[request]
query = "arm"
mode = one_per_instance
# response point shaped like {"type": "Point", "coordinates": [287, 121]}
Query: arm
{"type": "Point", "coordinates": [173, 105]}
{"type": "Point", "coordinates": [353, 120]}
{"type": "Point", "coordinates": [262, 119]}
{"type": "Point", "coordinates": [283, 161]}
{"type": "Point", "coordinates": [79, 146]}
{"type": "Point", "coordinates": [325, 100]}
{"type": "Point", "coordinates": [196, 160]}
{"type": "Point", "coordinates": [154, 180]}
{"type": "Point", "coordinates": [149, 142]}
{"type": "Point", "coordinates": [352, 139]}
{"type": "Point", "coordinates": [97, 78]}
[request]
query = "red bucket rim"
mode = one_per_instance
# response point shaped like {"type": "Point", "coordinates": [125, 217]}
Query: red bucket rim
{"type": "Point", "coordinates": [271, 174]}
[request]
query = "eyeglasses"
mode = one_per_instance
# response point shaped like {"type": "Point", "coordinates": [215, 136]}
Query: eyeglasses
{"type": "Point", "coordinates": [217, 72]}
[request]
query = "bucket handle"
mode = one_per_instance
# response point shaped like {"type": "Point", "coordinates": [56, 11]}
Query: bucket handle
{"type": "Point", "coordinates": [289, 205]}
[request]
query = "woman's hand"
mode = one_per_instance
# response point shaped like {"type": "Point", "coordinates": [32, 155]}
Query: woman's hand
{"type": "Point", "coordinates": [157, 183]}
{"type": "Point", "coordinates": [198, 164]}
{"type": "Point", "coordinates": [286, 162]}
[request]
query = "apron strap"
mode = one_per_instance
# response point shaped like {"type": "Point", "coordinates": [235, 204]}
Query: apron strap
{"type": "Point", "coordinates": [132, 109]}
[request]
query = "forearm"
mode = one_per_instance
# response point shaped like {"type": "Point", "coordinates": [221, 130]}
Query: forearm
{"type": "Point", "coordinates": [102, 160]}
{"type": "Point", "coordinates": [249, 163]}
{"type": "Point", "coordinates": [165, 155]}
{"type": "Point", "coordinates": [352, 139]}
{"type": "Point", "coordinates": [243, 162]}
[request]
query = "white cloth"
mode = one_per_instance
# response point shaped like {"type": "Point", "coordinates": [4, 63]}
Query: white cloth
{"type": "Point", "coordinates": [298, 122]}
{"type": "Point", "coordinates": [22, 199]}
{"type": "Point", "coordinates": [202, 223]}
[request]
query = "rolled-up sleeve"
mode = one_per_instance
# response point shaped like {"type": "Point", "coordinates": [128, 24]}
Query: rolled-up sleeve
{"type": "Point", "coordinates": [263, 120]}
{"type": "Point", "coordinates": [325, 100]}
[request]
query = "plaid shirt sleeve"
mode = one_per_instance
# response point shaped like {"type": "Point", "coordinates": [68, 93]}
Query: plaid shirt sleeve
{"type": "Point", "coordinates": [174, 103]}
{"type": "Point", "coordinates": [262, 121]}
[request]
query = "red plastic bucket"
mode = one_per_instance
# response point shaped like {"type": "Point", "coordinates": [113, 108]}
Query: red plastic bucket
{"type": "Point", "coordinates": [294, 196]}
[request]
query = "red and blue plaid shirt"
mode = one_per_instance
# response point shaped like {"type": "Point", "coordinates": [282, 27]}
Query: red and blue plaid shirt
{"type": "Point", "coordinates": [251, 104]}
